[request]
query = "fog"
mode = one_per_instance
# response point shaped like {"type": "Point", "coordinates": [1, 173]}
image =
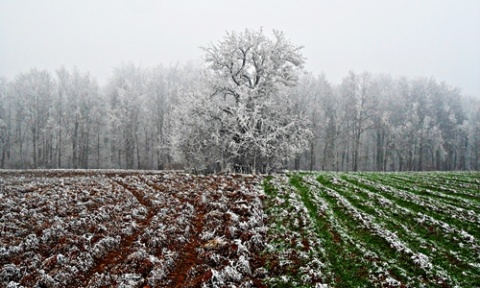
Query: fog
{"type": "Point", "coordinates": [437, 39]}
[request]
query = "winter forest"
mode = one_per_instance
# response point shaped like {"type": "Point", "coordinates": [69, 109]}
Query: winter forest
{"type": "Point", "coordinates": [247, 106]}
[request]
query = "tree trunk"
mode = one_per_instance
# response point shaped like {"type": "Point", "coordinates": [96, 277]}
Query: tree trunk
{"type": "Point", "coordinates": [59, 151]}
{"type": "Point", "coordinates": [356, 147]}
{"type": "Point", "coordinates": [438, 160]}
{"type": "Point", "coordinates": [297, 162]}
{"type": "Point", "coordinates": [2, 164]}
{"type": "Point", "coordinates": [74, 146]}
{"type": "Point", "coordinates": [98, 146]}
{"type": "Point", "coordinates": [34, 133]}
{"type": "Point", "coordinates": [420, 155]}
{"type": "Point", "coordinates": [312, 157]}
{"type": "Point", "coordinates": [137, 147]}
{"type": "Point", "coordinates": [87, 148]}
{"type": "Point", "coordinates": [379, 157]}
{"type": "Point", "coordinates": [20, 136]}
{"type": "Point", "coordinates": [147, 151]}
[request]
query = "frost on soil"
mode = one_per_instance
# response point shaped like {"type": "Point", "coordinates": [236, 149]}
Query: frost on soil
{"type": "Point", "coordinates": [65, 228]}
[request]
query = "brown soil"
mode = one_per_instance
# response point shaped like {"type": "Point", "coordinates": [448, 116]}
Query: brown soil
{"type": "Point", "coordinates": [118, 256]}
{"type": "Point", "coordinates": [88, 206]}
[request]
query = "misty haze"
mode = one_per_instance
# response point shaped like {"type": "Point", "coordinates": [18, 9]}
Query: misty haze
{"type": "Point", "coordinates": [148, 109]}
{"type": "Point", "coordinates": [239, 144]}
{"type": "Point", "coordinates": [249, 107]}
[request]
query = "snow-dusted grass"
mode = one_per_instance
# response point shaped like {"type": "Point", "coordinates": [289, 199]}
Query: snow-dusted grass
{"type": "Point", "coordinates": [393, 229]}
{"type": "Point", "coordinates": [297, 257]}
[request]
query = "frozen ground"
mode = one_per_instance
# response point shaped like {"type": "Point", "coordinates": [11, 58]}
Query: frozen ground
{"type": "Point", "coordinates": [117, 228]}
{"type": "Point", "coordinates": [62, 228]}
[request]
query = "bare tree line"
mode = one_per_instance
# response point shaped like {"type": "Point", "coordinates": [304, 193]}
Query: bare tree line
{"type": "Point", "coordinates": [224, 114]}
{"type": "Point", "coordinates": [379, 123]}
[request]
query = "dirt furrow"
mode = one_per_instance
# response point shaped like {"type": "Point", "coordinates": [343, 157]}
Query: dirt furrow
{"type": "Point", "coordinates": [188, 256]}
{"type": "Point", "coordinates": [114, 258]}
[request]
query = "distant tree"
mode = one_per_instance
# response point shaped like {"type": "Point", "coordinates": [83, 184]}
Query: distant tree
{"type": "Point", "coordinates": [475, 123]}
{"type": "Point", "coordinates": [34, 92]}
{"type": "Point", "coordinates": [382, 121]}
{"type": "Point", "coordinates": [315, 97]}
{"type": "Point", "coordinates": [450, 117]}
{"type": "Point", "coordinates": [356, 88]}
{"type": "Point", "coordinates": [126, 93]}
{"type": "Point", "coordinates": [166, 84]}
{"type": "Point", "coordinates": [77, 117]}
{"type": "Point", "coordinates": [5, 121]}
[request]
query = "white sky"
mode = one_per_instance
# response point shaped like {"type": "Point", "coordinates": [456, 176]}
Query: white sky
{"type": "Point", "coordinates": [439, 38]}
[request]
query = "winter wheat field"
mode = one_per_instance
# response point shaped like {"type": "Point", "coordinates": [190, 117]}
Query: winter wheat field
{"type": "Point", "coordinates": [112, 228]}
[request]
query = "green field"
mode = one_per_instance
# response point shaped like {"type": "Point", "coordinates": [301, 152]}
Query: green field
{"type": "Point", "coordinates": [374, 229]}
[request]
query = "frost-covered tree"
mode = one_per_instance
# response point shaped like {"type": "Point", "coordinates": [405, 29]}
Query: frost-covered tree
{"type": "Point", "coordinates": [357, 89]}
{"type": "Point", "coordinates": [33, 96]}
{"type": "Point", "coordinates": [382, 130]}
{"type": "Point", "coordinates": [77, 118]}
{"type": "Point", "coordinates": [315, 97]}
{"type": "Point", "coordinates": [127, 93]}
{"type": "Point", "coordinates": [4, 121]}
{"type": "Point", "coordinates": [248, 121]}
{"type": "Point", "coordinates": [166, 85]}
{"type": "Point", "coordinates": [475, 132]}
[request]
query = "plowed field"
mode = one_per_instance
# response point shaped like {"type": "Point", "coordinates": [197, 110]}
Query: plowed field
{"type": "Point", "coordinates": [129, 229]}
{"type": "Point", "coordinates": [116, 228]}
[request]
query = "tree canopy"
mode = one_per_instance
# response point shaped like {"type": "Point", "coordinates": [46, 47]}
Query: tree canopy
{"type": "Point", "coordinates": [245, 117]}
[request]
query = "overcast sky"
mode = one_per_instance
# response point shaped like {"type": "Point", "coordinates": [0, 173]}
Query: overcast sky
{"type": "Point", "coordinates": [439, 38]}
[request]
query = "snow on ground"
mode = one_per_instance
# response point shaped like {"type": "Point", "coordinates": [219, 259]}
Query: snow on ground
{"type": "Point", "coordinates": [64, 228]}
{"type": "Point", "coordinates": [119, 228]}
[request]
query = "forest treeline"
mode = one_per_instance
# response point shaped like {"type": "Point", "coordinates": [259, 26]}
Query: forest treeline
{"type": "Point", "coordinates": [64, 119]}
{"type": "Point", "coordinates": [367, 122]}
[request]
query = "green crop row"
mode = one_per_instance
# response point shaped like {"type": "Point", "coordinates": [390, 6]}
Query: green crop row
{"type": "Point", "coordinates": [382, 229]}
